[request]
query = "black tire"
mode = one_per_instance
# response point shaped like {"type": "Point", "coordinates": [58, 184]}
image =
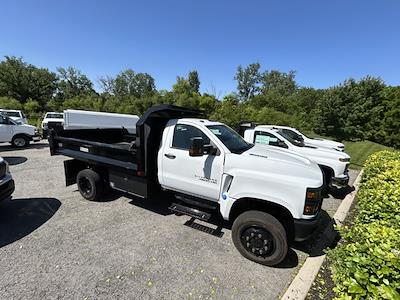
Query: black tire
{"type": "Point", "coordinates": [90, 185]}
{"type": "Point", "coordinates": [260, 237]}
{"type": "Point", "coordinates": [20, 141]}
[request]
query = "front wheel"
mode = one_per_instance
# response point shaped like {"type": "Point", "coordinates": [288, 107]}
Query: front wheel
{"type": "Point", "coordinates": [20, 141]}
{"type": "Point", "coordinates": [260, 237]}
{"type": "Point", "coordinates": [90, 185]}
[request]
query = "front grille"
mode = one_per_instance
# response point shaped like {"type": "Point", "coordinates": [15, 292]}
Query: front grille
{"type": "Point", "coordinates": [2, 169]}
{"type": "Point", "coordinates": [54, 124]}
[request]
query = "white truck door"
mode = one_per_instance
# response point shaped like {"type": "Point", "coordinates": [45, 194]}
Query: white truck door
{"type": "Point", "coordinates": [198, 176]}
{"type": "Point", "coordinates": [6, 129]}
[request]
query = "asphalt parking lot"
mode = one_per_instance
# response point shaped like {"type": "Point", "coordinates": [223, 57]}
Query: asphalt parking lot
{"type": "Point", "coordinates": [54, 244]}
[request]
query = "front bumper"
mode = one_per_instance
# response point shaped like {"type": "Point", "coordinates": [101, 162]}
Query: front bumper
{"type": "Point", "coordinates": [7, 187]}
{"type": "Point", "coordinates": [304, 228]}
{"type": "Point", "coordinates": [36, 138]}
{"type": "Point", "coordinates": [340, 181]}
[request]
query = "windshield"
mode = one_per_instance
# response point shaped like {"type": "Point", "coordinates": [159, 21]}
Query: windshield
{"type": "Point", "coordinates": [14, 114]}
{"type": "Point", "coordinates": [296, 142]}
{"type": "Point", "coordinates": [54, 116]}
{"type": "Point", "coordinates": [230, 138]}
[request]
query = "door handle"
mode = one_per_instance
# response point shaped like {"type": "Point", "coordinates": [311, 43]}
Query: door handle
{"type": "Point", "coordinates": [170, 156]}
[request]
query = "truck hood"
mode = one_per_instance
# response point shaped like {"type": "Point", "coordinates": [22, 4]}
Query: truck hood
{"type": "Point", "coordinates": [324, 143]}
{"type": "Point", "coordinates": [263, 161]}
{"type": "Point", "coordinates": [280, 154]}
{"type": "Point", "coordinates": [313, 152]}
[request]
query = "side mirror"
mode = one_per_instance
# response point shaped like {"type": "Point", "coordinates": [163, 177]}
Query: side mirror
{"type": "Point", "coordinates": [282, 144]}
{"type": "Point", "coordinates": [196, 147]}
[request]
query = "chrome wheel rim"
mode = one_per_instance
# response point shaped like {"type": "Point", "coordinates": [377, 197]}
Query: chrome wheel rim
{"type": "Point", "coordinates": [19, 142]}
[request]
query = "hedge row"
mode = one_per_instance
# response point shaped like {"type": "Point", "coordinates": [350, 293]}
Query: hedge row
{"type": "Point", "coordinates": [366, 263]}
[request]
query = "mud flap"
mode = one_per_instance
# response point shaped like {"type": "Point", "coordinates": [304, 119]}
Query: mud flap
{"type": "Point", "coordinates": [71, 169]}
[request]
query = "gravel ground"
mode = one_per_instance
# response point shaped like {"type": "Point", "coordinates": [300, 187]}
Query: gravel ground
{"type": "Point", "coordinates": [54, 244]}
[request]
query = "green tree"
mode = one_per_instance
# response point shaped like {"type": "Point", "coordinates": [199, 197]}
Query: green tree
{"type": "Point", "coordinates": [129, 83]}
{"type": "Point", "coordinates": [281, 82]}
{"type": "Point", "coordinates": [248, 80]}
{"type": "Point", "coordinates": [21, 81]}
{"type": "Point", "coordinates": [194, 81]}
{"type": "Point", "coordinates": [72, 83]}
{"type": "Point", "coordinates": [10, 103]}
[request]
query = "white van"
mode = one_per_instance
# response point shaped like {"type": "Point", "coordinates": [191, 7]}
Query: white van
{"type": "Point", "coordinates": [19, 135]}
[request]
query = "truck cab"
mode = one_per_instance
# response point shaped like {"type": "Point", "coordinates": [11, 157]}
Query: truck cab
{"type": "Point", "coordinates": [333, 163]}
{"type": "Point", "coordinates": [269, 197]}
{"type": "Point", "coordinates": [19, 135]}
{"type": "Point", "coordinates": [307, 140]}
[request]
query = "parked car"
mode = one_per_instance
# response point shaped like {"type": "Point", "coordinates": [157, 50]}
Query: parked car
{"type": "Point", "coordinates": [19, 135]}
{"type": "Point", "coordinates": [6, 181]}
{"type": "Point", "coordinates": [52, 119]}
{"type": "Point", "coordinates": [270, 196]}
{"type": "Point", "coordinates": [308, 141]}
{"type": "Point", "coordinates": [16, 115]}
{"type": "Point", "coordinates": [334, 164]}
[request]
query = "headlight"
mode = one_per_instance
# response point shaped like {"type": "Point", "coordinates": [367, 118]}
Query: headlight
{"type": "Point", "coordinates": [344, 159]}
{"type": "Point", "coordinates": [36, 131]}
{"type": "Point", "coordinates": [44, 125]}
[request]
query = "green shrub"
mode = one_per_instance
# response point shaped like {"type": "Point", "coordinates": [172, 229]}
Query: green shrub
{"type": "Point", "coordinates": [366, 264]}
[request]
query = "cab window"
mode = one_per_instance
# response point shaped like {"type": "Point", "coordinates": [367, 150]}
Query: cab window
{"type": "Point", "coordinates": [266, 138]}
{"type": "Point", "coordinates": [3, 120]}
{"type": "Point", "coordinates": [292, 134]}
{"type": "Point", "coordinates": [184, 133]}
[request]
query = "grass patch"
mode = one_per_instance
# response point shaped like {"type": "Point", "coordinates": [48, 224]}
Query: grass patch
{"type": "Point", "coordinates": [360, 151]}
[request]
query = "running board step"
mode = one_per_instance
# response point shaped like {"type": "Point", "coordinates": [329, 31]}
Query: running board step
{"type": "Point", "coordinates": [189, 211]}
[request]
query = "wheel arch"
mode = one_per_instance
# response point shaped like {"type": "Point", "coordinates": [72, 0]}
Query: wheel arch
{"type": "Point", "coordinates": [21, 134]}
{"type": "Point", "coordinates": [328, 173]}
{"type": "Point", "coordinates": [278, 211]}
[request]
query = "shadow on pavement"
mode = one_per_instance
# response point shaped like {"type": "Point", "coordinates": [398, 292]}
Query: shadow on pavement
{"type": "Point", "coordinates": [342, 192]}
{"type": "Point", "coordinates": [38, 145]}
{"type": "Point", "coordinates": [20, 217]}
{"type": "Point", "coordinates": [15, 160]}
{"type": "Point", "coordinates": [318, 243]}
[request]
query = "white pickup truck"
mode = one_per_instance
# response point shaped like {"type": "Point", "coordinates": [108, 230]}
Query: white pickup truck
{"type": "Point", "coordinates": [308, 141]}
{"type": "Point", "coordinates": [51, 119]}
{"type": "Point", "coordinates": [268, 196]}
{"type": "Point", "coordinates": [334, 164]}
{"type": "Point", "coordinates": [19, 135]}
{"type": "Point", "coordinates": [17, 116]}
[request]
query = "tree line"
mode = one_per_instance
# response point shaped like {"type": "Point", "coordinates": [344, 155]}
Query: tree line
{"type": "Point", "coordinates": [352, 110]}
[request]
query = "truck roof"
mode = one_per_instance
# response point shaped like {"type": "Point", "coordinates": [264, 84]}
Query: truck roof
{"type": "Point", "coordinates": [274, 126]}
{"type": "Point", "coordinates": [11, 110]}
{"type": "Point", "coordinates": [198, 121]}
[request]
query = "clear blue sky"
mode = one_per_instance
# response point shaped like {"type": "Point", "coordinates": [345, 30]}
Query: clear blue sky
{"type": "Point", "coordinates": [324, 41]}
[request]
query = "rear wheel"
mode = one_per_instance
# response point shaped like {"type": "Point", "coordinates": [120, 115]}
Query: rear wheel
{"type": "Point", "coordinates": [90, 185]}
{"type": "Point", "coordinates": [20, 141]}
{"type": "Point", "coordinates": [260, 237]}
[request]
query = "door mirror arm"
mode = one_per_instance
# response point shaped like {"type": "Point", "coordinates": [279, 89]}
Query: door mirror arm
{"type": "Point", "coordinates": [282, 144]}
{"type": "Point", "coordinates": [210, 149]}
